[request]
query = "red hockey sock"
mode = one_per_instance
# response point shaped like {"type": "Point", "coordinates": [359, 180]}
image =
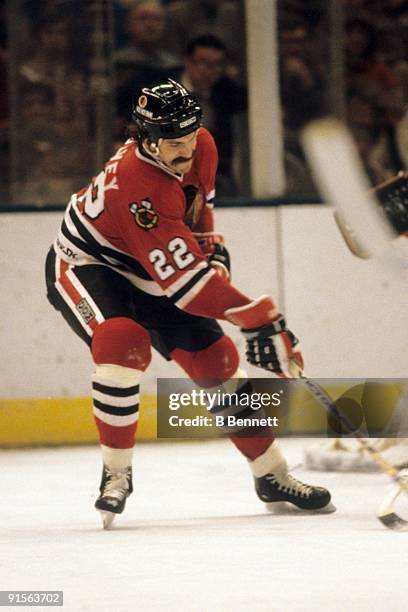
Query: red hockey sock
{"type": "Point", "coordinates": [252, 447]}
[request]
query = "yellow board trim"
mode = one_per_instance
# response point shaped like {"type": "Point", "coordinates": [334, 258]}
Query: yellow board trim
{"type": "Point", "coordinates": [62, 420]}
{"type": "Point", "coordinates": [69, 420]}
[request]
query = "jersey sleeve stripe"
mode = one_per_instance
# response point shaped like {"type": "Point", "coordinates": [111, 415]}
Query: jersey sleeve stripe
{"type": "Point", "coordinates": [80, 244]}
{"type": "Point", "coordinates": [189, 293]}
{"type": "Point", "coordinates": [82, 237]}
{"type": "Point", "coordinates": [210, 196]}
{"type": "Point", "coordinates": [176, 295]}
{"type": "Point", "coordinates": [63, 244]}
{"type": "Point", "coordinates": [186, 278]}
{"type": "Point", "coordinates": [95, 241]}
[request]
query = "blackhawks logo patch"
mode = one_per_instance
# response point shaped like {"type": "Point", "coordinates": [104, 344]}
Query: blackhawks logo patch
{"type": "Point", "coordinates": [145, 216]}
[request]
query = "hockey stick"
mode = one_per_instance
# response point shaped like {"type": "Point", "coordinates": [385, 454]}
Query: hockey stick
{"type": "Point", "coordinates": [349, 237]}
{"type": "Point", "coordinates": [339, 172]}
{"type": "Point", "coordinates": [387, 514]}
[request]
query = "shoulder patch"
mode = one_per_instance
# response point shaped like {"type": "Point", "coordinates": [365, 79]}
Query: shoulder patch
{"type": "Point", "coordinates": [144, 215]}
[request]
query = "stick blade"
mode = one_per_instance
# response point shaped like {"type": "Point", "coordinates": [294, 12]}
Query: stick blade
{"type": "Point", "coordinates": [349, 236]}
{"type": "Point", "coordinates": [393, 521]}
{"type": "Point", "coordinates": [340, 176]}
{"type": "Point", "coordinates": [387, 513]}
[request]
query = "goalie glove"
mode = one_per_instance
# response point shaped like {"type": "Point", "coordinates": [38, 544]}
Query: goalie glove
{"type": "Point", "coordinates": [270, 344]}
{"type": "Point", "coordinates": [212, 245]}
{"type": "Point", "coordinates": [392, 196]}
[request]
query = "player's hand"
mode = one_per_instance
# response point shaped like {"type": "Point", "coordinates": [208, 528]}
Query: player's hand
{"type": "Point", "coordinates": [212, 245]}
{"type": "Point", "coordinates": [221, 261]}
{"type": "Point", "coordinates": [273, 347]}
{"type": "Point", "coordinates": [270, 344]}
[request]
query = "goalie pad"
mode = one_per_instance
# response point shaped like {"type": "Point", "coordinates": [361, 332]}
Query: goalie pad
{"type": "Point", "coordinates": [347, 455]}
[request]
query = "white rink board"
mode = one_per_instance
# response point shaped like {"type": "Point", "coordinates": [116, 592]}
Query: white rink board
{"type": "Point", "coordinates": [350, 315]}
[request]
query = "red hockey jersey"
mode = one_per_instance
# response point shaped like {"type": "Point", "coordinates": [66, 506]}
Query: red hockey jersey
{"type": "Point", "coordinates": [138, 217]}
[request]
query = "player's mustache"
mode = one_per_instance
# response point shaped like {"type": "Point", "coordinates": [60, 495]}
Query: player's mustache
{"type": "Point", "coordinates": [181, 160]}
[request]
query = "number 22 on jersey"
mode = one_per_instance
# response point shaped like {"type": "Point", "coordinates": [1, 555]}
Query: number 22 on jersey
{"type": "Point", "coordinates": [180, 255]}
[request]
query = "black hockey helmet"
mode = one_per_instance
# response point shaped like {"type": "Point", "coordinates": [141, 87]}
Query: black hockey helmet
{"type": "Point", "coordinates": [166, 110]}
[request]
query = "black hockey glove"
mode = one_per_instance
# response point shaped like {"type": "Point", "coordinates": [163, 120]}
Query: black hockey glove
{"type": "Point", "coordinates": [270, 346]}
{"type": "Point", "coordinates": [220, 257]}
{"type": "Point", "coordinates": [212, 245]}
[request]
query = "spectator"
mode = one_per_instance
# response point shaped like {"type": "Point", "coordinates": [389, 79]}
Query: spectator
{"type": "Point", "coordinates": [375, 102]}
{"type": "Point", "coordinates": [50, 163]}
{"type": "Point", "coordinates": [4, 106]}
{"type": "Point", "coordinates": [376, 142]}
{"type": "Point", "coordinates": [145, 25]}
{"type": "Point", "coordinates": [220, 97]}
{"type": "Point", "coordinates": [52, 65]}
{"type": "Point", "coordinates": [302, 86]}
{"type": "Point", "coordinates": [302, 89]}
{"type": "Point", "coordinates": [4, 132]}
{"type": "Point", "coordinates": [143, 61]}
{"type": "Point", "coordinates": [402, 140]}
{"type": "Point", "coordinates": [3, 92]}
{"type": "Point", "coordinates": [225, 19]}
{"type": "Point", "coordinates": [367, 75]}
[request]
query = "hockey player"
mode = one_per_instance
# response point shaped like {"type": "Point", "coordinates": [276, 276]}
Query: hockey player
{"type": "Point", "coordinates": [137, 264]}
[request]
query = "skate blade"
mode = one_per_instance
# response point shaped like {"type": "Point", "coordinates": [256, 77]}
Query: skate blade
{"type": "Point", "coordinates": [327, 509]}
{"type": "Point", "coordinates": [107, 518]}
{"type": "Point", "coordinates": [288, 508]}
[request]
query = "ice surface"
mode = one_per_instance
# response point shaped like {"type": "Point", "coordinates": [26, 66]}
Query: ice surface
{"type": "Point", "coordinates": [194, 536]}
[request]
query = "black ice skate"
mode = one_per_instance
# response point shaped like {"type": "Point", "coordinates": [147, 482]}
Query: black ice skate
{"type": "Point", "coordinates": [116, 486]}
{"type": "Point", "coordinates": [277, 485]}
{"type": "Point", "coordinates": [277, 488]}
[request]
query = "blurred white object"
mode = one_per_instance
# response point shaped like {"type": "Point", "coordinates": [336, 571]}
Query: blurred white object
{"type": "Point", "coordinates": [347, 455]}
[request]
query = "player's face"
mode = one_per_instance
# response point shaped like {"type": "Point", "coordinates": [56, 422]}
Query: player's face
{"type": "Point", "coordinates": [178, 153]}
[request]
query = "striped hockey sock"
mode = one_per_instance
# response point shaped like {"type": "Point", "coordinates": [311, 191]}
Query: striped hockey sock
{"type": "Point", "coordinates": [115, 394]}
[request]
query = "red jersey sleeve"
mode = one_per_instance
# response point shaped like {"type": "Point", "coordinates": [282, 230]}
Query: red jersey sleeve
{"type": "Point", "coordinates": [205, 223]}
{"type": "Point", "coordinates": [205, 168]}
{"type": "Point", "coordinates": [207, 163]}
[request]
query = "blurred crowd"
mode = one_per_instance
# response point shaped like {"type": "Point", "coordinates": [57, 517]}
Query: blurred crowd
{"type": "Point", "coordinates": [375, 66]}
{"type": "Point", "coordinates": [48, 95]}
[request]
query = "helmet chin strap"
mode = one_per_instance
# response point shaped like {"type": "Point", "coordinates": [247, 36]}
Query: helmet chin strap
{"type": "Point", "coordinates": [152, 149]}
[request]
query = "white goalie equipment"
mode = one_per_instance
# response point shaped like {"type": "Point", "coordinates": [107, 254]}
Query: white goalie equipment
{"type": "Point", "coordinates": [347, 455]}
{"type": "Point", "coordinates": [368, 233]}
